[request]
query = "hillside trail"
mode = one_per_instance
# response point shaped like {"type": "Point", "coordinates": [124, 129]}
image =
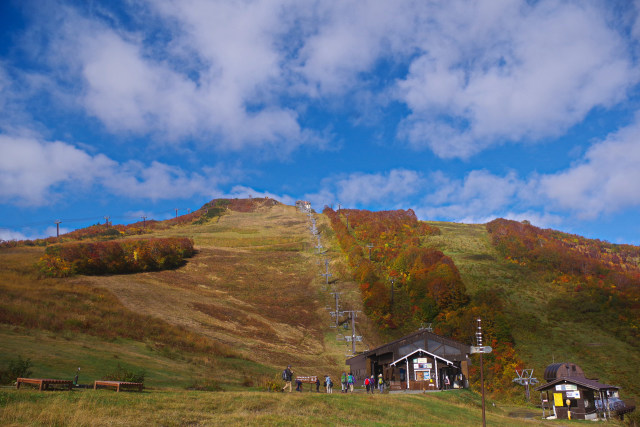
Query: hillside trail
{"type": "Point", "coordinates": [253, 285]}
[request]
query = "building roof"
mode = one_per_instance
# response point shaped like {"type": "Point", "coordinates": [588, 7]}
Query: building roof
{"type": "Point", "coordinates": [463, 349]}
{"type": "Point", "coordinates": [584, 382]}
{"type": "Point", "coordinates": [448, 362]}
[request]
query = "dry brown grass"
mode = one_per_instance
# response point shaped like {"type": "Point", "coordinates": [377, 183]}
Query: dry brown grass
{"type": "Point", "coordinates": [253, 290]}
{"type": "Point", "coordinates": [254, 286]}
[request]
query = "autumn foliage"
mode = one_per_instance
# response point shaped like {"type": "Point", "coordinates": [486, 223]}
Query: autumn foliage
{"type": "Point", "coordinates": [115, 257]}
{"type": "Point", "coordinates": [427, 288]}
{"type": "Point", "coordinates": [425, 281]}
{"type": "Point", "coordinates": [597, 281]}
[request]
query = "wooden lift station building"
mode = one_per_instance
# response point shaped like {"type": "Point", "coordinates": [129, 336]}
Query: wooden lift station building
{"type": "Point", "coordinates": [568, 394]}
{"type": "Point", "coordinates": [420, 361]}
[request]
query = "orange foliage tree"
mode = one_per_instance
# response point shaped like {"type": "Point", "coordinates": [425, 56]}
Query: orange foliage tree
{"type": "Point", "coordinates": [425, 280]}
{"type": "Point", "coordinates": [115, 257]}
{"type": "Point", "coordinates": [601, 280]}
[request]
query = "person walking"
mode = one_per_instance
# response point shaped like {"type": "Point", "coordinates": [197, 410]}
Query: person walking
{"type": "Point", "coordinates": [350, 382]}
{"type": "Point", "coordinates": [343, 381]}
{"type": "Point", "coordinates": [317, 384]}
{"type": "Point", "coordinates": [380, 383]}
{"type": "Point", "coordinates": [287, 376]}
{"type": "Point", "coordinates": [372, 383]}
{"type": "Point", "coordinates": [329, 383]}
{"type": "Point", "coordinates": [366, 384]}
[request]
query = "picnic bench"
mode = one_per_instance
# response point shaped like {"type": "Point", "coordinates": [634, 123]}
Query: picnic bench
{"type": "Point", "coordinates": [308, 380]}
{"type": "Point", "coordinates": [43, 383]}
{"type": "Point", "coordinates": [117, 384]}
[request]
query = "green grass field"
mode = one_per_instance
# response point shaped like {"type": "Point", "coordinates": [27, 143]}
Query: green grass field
{"type": "Point", "coordinates": [540, 338]}
{"type": "Point", "coordinates": [181, 408]}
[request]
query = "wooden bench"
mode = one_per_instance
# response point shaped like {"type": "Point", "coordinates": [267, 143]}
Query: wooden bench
{"type": "Point", "coordinates": [308, 380]}
{"type": "Point", "coordinates": [43, 383]}
{"type": "Point", "coordinates": [117, 384]}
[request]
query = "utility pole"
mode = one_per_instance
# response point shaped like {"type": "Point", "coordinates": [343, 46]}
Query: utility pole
{"type": "Point", "coordinates": [525, 378]}
{"type": "Point", "coordinates": [57, 223]}
{"type": "Point", "coordinates": [393, 281]}
{"type": "Point", "coordinates": [337, 312]}
{"type": "Point", "coordinates": [369, 245]}
{"type": "Point", "coordinates": [353, 338]}
{"type": "Point", "coordinates": [176, 212]}
{"type": "Point", "coordinates": [106, 221]}
{"type": "Point", "coordinates": [353, 332]}
{"type": "Point", "coordinates": [327, 275]}
{"type": "Point", "coordinates": [479, 343]}
{"type": "Point", "coordinates": [144, 221]}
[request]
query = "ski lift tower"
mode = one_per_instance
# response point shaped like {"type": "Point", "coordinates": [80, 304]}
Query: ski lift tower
{"type": "Point", "coordinates": [525, 378]}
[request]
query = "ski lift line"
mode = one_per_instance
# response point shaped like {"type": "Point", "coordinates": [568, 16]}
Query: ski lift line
{"type": "Point", "coordinates": [69, 220]}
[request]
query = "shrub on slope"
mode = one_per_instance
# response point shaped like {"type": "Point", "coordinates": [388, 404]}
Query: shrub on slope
{"type": "Point", "coordinates": [115, 257]}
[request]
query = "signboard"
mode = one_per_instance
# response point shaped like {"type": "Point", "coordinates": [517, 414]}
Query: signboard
{"type": "Point", "coordinates": [573, 394]}
{"type": "Point", "coordinates": [480, 349]}
{"type": "Point", "coordinates": [418, 366]}
{"type": "Point", "coordinates": [566, 387]}
{"type": "Point", "coordinates": [557, 399]}
{"type": "Point", "coordinates": [420, 360]}
{"type": "Point", "coordinates": [423, 375]}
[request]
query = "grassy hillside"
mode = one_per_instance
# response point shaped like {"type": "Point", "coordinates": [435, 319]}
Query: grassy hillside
{"type": "Point", "coordinates": [541, 338]}
{"type": "Point", "coordinates": [248, 303]}
{"type": "Point", "coordinates": [251, 301]}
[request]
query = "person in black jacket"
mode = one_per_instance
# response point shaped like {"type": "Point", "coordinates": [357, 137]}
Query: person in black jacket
{"type": "Point", "coordinates": [287, 376]}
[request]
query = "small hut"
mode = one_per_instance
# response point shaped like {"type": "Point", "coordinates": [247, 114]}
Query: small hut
{"type": "Point", "coordinates": [303, 206]}
{"type": "Point", "coordinates": [420, 361]}
{"type": "Point", "coordinates": [569, 395]}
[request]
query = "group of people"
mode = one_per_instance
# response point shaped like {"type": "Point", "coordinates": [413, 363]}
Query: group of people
{"type": "Point", "coordinates": [346, 380]}
{"type": "Point", "coordinates": [373, 382]}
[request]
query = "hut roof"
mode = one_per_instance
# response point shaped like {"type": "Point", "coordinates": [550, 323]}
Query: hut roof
{"type": "Point", "coordinates": [447, 344]}
{"type": "Point", "coordinates": [561, 370]}
{"type": "Point", "coordinates": [591, 384]}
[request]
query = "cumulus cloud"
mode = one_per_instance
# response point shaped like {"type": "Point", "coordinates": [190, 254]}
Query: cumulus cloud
{"type": "Point", "coordinates": [35, 172]}
{"type": "Point", "coordinates": [238, 75]}
{"type": "Point", "coordinates": [605, 181]}
{"type": "Point", "coordinates": [6, 234]}
{"type": "Point", "coordinates": [243, 192]}
{"type": "Point", "coordinates": [214, 75]}
{"type": "Point", "coordinates": [479, 194]}
{"type": "Point", "coordinates": [510, 71]}
{"type": "Point", "coordinates": [362, 189]}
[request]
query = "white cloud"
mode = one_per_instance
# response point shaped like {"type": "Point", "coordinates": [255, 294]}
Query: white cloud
{"type": "Point", "coordinates": [216, 80]}
{"type": "Point", "coordinates": [6, 234]}
{"type": "Point", "coordinates": [241, 75]}
{"type": "Point", "coordinates": [362, 189]}
{"type": "Point", "coordinates": [243, 192]}
{"type": "Point", "coordinates": [606, 180]}
{"type": "Point", "coordinates": [35, 173]}
{"type": "Point", "coordinates": [510, 71]}
{"type": "Point", "coordinates": [347, 38]}
{"type": "Point", "coordinates": [479, 195]}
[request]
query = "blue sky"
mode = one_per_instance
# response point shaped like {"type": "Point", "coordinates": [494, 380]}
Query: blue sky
{"type": "Point", "coordinates": [461, 110]}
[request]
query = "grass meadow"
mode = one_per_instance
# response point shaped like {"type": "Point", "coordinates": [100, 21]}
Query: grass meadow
{"type": "Point", "coordinates": [541, 339]}
{"type": "Point", "coordinates": [249, 408]}
{"type": "Point", "coordinates": [213, 335]}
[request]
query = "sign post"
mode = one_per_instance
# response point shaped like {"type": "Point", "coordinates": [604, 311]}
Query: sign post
{"type": "Point", "coordinates": [479, 342]}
